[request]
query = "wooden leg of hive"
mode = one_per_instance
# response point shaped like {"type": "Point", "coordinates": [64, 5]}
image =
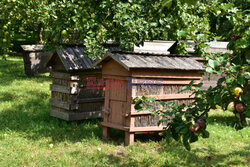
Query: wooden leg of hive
{"type": "Point", "coordinates": [105, 132]}
{"type": "Point", "coordinates": [129, 138]}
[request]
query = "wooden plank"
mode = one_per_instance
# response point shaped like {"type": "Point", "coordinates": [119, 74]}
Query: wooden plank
{"type": "Point", "coordinates": [170, 97]}
{"type": "Point", "coordinates": [105, 76]}
{"type": "Point", "coordinates": [146, 129]}
{"type": "Point", "coordinates": [141, 113]}
{"type": "Point", "coordinates": [115, 126]}
{"type": "Point", "coordinates": [133, 129]}
{"type": "Point", "coordinates": [64, 89]}
{"type": "Point", "coordinates": [163, 82]}
{"type": "Point", "coordinates": [89, 100]}
{"type": "Point", "coordinates": [62, 75]}
{"type": "Point", "coordinates": [64, 105]}
{"type": "Point", "coordinates": [177, 74]}
{"type": "Point", "coordinates": [75, 116]}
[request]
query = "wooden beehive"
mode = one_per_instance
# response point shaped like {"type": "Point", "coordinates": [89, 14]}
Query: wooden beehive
{"type": "Point", "coordinates": [71, 98]}
{"type": "Point", "coordinates": [35, 59]}
{"type": "Point", "coordinates": [130, 75]}
{"type": "Point", "coordinates": [215, 47]}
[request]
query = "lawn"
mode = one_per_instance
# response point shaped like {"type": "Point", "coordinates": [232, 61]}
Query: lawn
{"type": "Point", "coordinates": [27, 133]}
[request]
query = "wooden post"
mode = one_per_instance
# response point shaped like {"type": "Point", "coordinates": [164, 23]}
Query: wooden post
{"type": "Point", "coordinates": [105, 132]}
{"type": "Point", "coordinates": [129, 138]}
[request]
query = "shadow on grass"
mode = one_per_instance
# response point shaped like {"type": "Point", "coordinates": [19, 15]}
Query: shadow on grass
{"type": "Point", "coordinates": [32, 116]}
{"type": "Point", "coordinates": [13, 69]}
{"type": "Point", "coordinates": [222, 119]}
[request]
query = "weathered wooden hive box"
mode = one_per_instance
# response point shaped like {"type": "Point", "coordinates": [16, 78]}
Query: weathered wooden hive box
{"type": "Point", "coordinates": [215, 47]}
{"type": "Point", "coordinates": [35, 59]}
{"type": "Point", "coordinates": [71, 98]}
{"type": "Point", "coordinates": [130, 75]}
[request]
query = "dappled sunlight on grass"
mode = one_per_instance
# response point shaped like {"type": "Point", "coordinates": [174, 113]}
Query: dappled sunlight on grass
{"type": "Point", "coordinates": [27, 132]}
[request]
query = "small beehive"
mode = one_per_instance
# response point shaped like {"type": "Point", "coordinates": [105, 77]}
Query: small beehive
{"type": "Point", "coordinates": [35, 59]}
{"type": "Point", "coordinates": [130, 75]}
{"type": "Point", "coordinates": [71, 98]}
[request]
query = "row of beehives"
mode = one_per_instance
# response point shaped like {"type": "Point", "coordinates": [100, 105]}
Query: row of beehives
{"type": "Point", "coordinates": [78, 84]}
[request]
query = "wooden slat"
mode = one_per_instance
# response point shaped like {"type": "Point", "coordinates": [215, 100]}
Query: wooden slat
{"type": "Point", "coordinates": [133, 129]}
{"type": "Point", "coordinates": [66, 76]}
{"type": "Point", "coordinates": [170, 97]}
{"type": "Point", "coordinates": [141, 113]}
{"type": "Point", "coordinates": [64, 89]}
{"type": "Point", "coordinates": [74, 116]}
{"type": "Point", "coordinates": [177, 74]}
{"type": "Point", "coordinates": [89, 100]}
{"type": "Point", "coordinates": [64, 105]}
{"type": "Point", "coordinates": [164, 82]}
{"type": "Point", "coordinates": [116, 126]}
{"type": "Point", "coordinates": [146, 129]}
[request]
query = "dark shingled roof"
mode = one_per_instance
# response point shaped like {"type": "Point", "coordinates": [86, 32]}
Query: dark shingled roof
{"type": "Point", "coordinates": [130, 60]}
{"type": "Point", "coordinates": [74, 57]}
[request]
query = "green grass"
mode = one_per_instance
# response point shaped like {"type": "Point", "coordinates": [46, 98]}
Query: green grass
{"type": "Point", "coordinates": [27, 130]}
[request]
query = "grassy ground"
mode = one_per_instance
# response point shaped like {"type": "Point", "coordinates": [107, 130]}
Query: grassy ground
{"type": "Point", "coordinates": [27, 132]}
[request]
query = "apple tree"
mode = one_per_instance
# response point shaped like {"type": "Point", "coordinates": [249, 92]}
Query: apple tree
{"type": "Point", "coordinates": [188, 122]}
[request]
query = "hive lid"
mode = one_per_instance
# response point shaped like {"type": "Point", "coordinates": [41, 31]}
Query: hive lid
{"type": "Point", "coordinates": [155, 46]}
{"type": "Point", "coordinates": [132, 60]}
{"type": "Point", "coordinates": [215, 47]}
{"type": "Point", "coordinates": [32, 48]}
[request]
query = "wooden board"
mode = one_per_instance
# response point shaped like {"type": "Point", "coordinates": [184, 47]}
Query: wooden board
{"type": "Point", "coordinates": [90, 100]}
{"type": "Point", "coordinates": [75, 116]}
{"type": "Point", "coordinates": [170, 97]}
{"type": "Point", "coordinates": [161, 81]}
{"type": "Point", "coordinates": [64, 105]}
{"type": "Point", "coordinates": [177, 74]}
{"type": "Point", "coordinates": [63, 75]}
{"type": "Point", "coordinates": [64, 89]}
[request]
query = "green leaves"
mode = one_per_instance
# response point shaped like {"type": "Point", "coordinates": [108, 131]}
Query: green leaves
{"type": "Point", "coordinates": [213, 63]}
{"type": "Point", "coordinates": [167, 3]}
{"type": "Point", "coordinates": [186, 141]}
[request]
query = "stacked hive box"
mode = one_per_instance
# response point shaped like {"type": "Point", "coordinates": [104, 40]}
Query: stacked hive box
{"type": "Point", "coordinates": [130, 75]}
{"type": "Point", "coordinates": [71, 98]}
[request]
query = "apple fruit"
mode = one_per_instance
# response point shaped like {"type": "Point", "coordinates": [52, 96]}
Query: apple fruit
{"type": "Point", "coordinates": [237, 91]}
{"type": "Point", "coordinates": [230, 107]}
{"type": "Point", "coordinates": [201, 122]}
{"type": "Point", "coordinates": [239, 107]}
{"type": "Point", "coordinates": [194, 128]}
{"type": "Point", "coordinates": [64, 32]}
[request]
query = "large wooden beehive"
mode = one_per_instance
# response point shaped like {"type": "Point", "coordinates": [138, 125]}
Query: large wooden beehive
{"type": "Point", "coordinates": [130, 75]}
{"type": "Point", "coordinates": [71, 98]}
